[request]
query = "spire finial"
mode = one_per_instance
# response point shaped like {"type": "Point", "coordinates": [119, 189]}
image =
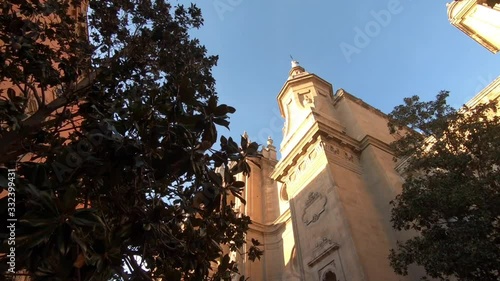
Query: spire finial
{"type": "Point", "coordinates": [294, 62]}
{"type": "Point", "coordinates": [269, 141]}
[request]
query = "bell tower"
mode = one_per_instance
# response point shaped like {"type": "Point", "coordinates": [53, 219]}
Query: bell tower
{"type": "Point", "coordinates": [322, 211]}
{"type": "Point", "coordinates": [302, 96]}
{"type": "Point", "coordinates": [338, 176]}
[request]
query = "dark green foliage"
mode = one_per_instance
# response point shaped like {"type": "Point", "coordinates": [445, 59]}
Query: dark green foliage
{"type": "Point", "coordinates": [451, 194]}
{"type": "Point", "coordinates": [118, 177]}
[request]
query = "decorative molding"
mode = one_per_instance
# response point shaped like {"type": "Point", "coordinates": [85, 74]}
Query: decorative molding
{"type": "Point", "coordinates": [302, 166]}
{"type": "Point", "coordinates": [313, 154]}
{"type": "Point", "coordinates": [323, 248]}
{"type": "Point", "coordinates": [349, 156]}
{"type": "Point", "coordinates": [315, 205]}
{"type": "Point", "coordinates": [322, 132]}
{"type": "Point", "coordinates": [305, 98]}
{"type": "Point", "coordinates": [346, 153]}
{"type": "Point", "coordinates": [354, 167]}
{"type": "Point", "coordinates": [401, 165]}
{"type": "Point", "coordinates": [298, 171]}
{"type": "Point", "coordinates": [341, 93]}
{"type": "Point", "coordinates": [333, 149]}
{"type": "Point", "coordinates": [457, 10]}
{"type": "Point", "coordinates": [313, 196]}
{"type": "Point", "coordinates": [370, 140]}
{"type": "Point", "coordinates": [300, 151]}
{"type": "Point", "coordinates": [323, 241]}
{"type": "Point", "coordinates": [272, 228]}
{"type": "Point", "coordinates": [460, 15]}
{"type": "Point", "coordinates": [321, 146]}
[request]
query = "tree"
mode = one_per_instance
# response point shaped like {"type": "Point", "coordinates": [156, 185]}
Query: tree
{"type": "Point", "coordinates": [451, 193]}
{"type": "Point", "coordinates": [113, 171]}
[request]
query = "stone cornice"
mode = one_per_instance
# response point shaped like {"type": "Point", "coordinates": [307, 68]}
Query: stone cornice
{"type": "Point", "coordinates": [401, 165]}
{"type": "Point", "coordinates": [458, 9]}
{"type": "Point", "coordinates": [327, 129]}
{"type": "Point", "coordinates": [370, 140]}
{"type": "Point", "coordinates": [291, 158]}
{"type": "Point", "coordinates": [273, 227]}
{"type": "Point", "coordinates": [490, 92]}
{"type": "Point", "coordinates": [331, 246]}
{"type": "Point", "coordinates": [341, 93]}
{"type": "Point", "coordinates": [321, 126]}
{"type": "Point", "coordinates": [332, 130]}
{"type": "Point", "coordinates": [300, 79]}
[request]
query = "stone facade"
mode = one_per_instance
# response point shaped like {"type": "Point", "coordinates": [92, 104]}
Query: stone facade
{"type": "Point", "coordinates": [478, 21]}
{"type": "Point", "coordinates": [322, 211]}
{"type": "Point", "coordinates": [50, 95]}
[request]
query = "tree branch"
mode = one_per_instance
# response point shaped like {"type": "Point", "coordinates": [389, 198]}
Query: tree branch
{"type": "Point", "coordinates": [9, 142]}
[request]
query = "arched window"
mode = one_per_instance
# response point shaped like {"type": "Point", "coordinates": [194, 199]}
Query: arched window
{"type": "Point", "coordinates": [329, 276]}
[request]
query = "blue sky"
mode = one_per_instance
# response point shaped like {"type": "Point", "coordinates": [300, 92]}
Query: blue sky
{"type": "Point", "coordinates": [410, 48]}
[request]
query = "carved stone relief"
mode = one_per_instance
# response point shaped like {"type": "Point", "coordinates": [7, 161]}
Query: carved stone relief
{"type": "Point", "coordinates": [324, 241]}
{"type": "Point", "coordinates": [314, 207]}
{"type": "Point", "coordinates": [323, 248]}
{"type": "Point", "coordinates": [349, 156]}
{"type": "Point", "coordinates": [344, 153]}
{"type": "Point", "coordinates": [305, 98]}
{"type": "Point", "coordinates": [327, 256]}
{"type": "Point", "coordinates": [333, 149]}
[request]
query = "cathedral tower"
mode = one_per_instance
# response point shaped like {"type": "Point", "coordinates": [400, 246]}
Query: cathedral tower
{"type": "Point", "coordinates": [322, 211]}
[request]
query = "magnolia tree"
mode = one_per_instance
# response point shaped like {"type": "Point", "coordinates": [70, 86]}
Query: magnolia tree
{"type": "Point", "coordinates": [451, 193]}
{"type": "Point", "coordinates": [107, 136]}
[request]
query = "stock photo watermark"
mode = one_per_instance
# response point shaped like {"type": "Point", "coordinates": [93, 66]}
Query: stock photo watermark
{"type": "Point", "coordinates": [11, 220]}
{"type": "Point", "coordinates": [223, 6]}
{"type": "Point", "coordinates": [483, 82]}
{"type": "Point", "coordinates": [275, 127]}
{"type": "Point", "coordinates": [363, 35]}
{"type": "Point", "coordinates": [75, 157]}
